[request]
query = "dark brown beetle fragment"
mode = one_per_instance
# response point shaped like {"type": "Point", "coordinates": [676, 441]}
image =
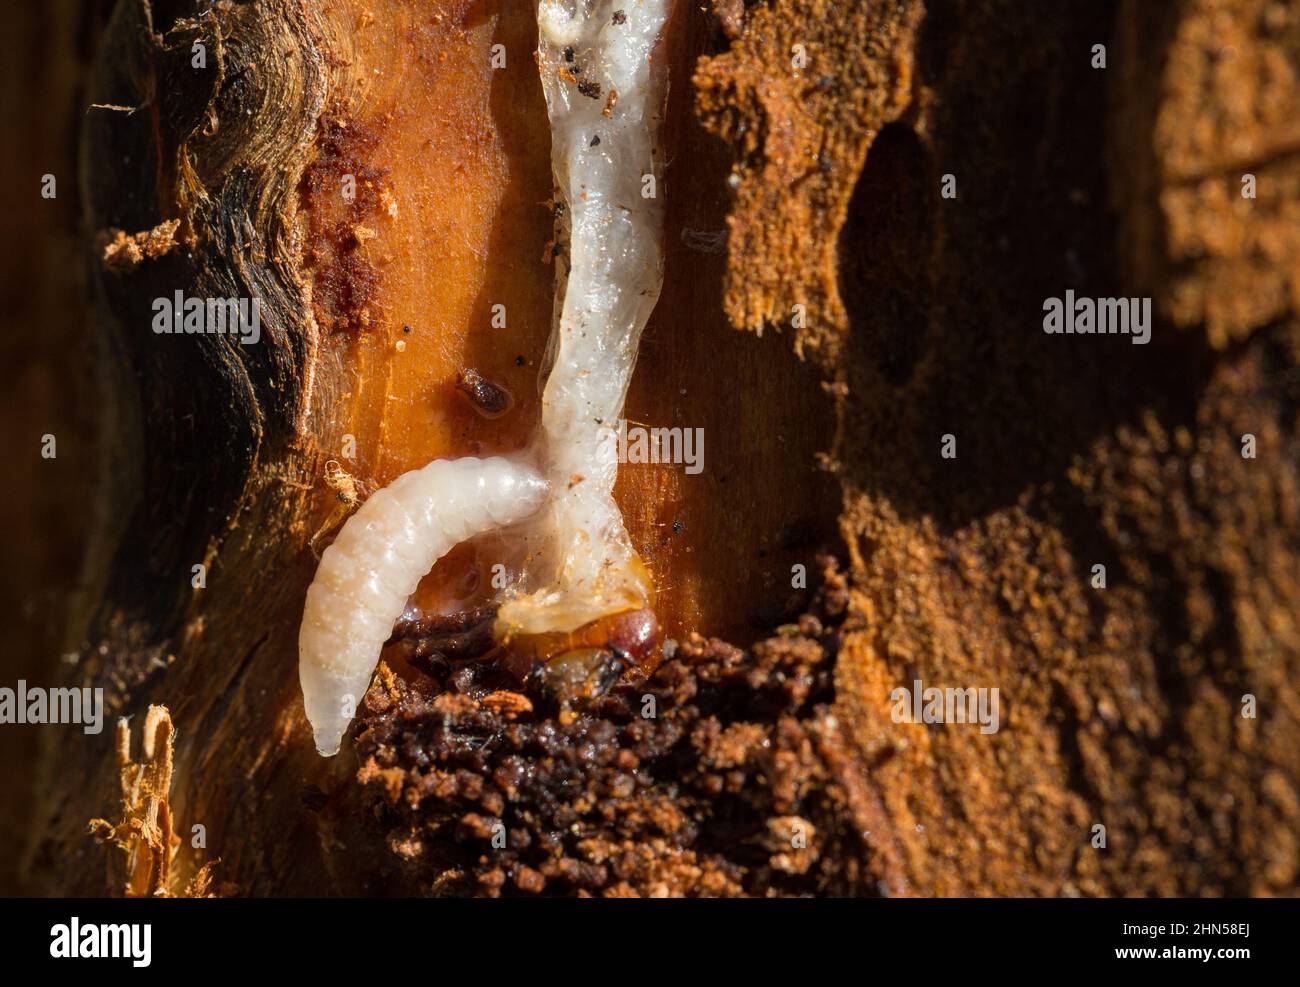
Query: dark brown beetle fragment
{"type": "Point", "coordinates": [489, 399]}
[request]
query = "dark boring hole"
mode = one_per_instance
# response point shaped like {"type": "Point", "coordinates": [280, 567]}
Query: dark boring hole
{"type": "Point", "coordinates": [884, 252]}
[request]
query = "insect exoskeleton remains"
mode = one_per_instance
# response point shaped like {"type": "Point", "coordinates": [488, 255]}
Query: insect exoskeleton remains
{"type": "Point", "coordinates": [375, 564]}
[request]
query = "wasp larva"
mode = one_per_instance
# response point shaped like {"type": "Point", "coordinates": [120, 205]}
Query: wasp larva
{"type": "Point", "coordinates": [606, 169]}
{"type": "Point", "coordinates": [385, 548]}
{"type": "Point", "coordinates": [608, 278]}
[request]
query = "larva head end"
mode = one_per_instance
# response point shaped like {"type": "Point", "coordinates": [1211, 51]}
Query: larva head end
{"type": "Point", "coordinates": [327, 746]}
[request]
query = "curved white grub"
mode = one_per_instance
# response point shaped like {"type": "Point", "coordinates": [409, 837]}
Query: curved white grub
{"type": "Point", "coordinates": [375, 564]}
{"type": "Point", "coordinates": [604, 103]}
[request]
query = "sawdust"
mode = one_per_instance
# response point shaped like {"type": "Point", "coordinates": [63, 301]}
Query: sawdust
{"type": "Point", "coordinates": [122, 253]}
{"type": "Point", "coordinates": [716, 775]}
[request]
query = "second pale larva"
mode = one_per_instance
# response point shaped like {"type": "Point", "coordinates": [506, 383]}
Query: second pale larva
{"type": "Point", "coordinates": [379, 557]}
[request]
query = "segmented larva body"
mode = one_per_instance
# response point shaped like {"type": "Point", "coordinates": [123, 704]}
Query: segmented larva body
{"type": "Point", "coordinates": [604, 99]}
{"type": "Point", "coordinates": [604, 103]}
{"type": "Point", "coordinates": [375, 564]}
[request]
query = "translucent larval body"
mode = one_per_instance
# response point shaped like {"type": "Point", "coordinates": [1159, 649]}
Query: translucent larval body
{"type": "Point", "coordinates": [604, 99]}
{"type": "Point", "coordinates": [380, 555]}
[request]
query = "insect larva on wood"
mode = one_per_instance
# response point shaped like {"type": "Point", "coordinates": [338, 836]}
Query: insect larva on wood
{"type": "Point", "coordinates": [608, 281]}
{"type": "Point", "coordinates": [608, 288]}
{"type": "Point", "coordinates": [374, 565]}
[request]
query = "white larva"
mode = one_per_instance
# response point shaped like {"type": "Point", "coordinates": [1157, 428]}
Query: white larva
{"type": "Point", "coordinates": [608, 283]}
{"type": "Point", "coordinates": [366, 576]}
{"type": "Point", "coordinates": [606, 171]}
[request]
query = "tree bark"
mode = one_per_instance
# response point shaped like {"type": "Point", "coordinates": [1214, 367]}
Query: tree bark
{"type": "Point", "coordinates": [892, 317]}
